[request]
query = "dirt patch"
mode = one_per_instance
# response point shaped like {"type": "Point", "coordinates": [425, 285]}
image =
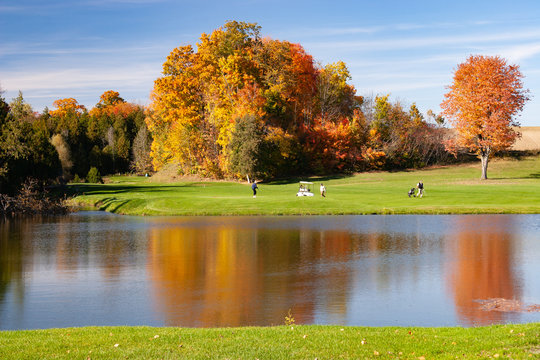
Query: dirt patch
{"type": "Point", "coordinates": [170, 173]}
{"type": "Point", "coordinates": [507, 305]}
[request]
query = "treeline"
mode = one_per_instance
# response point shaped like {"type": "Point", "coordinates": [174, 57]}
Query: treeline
{"type": "Point", "coordinates": [70, 142]}
{"type": "Point", "coordinates": [238, 105]}
{"type": "Point", "coordinates": [243, 105]}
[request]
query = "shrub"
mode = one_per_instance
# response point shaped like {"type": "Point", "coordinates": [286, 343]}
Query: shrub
{"type": "Point", "coordinates": [93, 175]}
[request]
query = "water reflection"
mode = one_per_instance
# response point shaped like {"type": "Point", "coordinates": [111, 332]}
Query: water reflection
{"type": "Point", "coordinates": [483, 267]}
{"type": "Point", "coordinates": [101, 269]}
{"type": "Point", "coordinates": [10, 260]}
{"type": "Point", "coordinates": [241, 276]}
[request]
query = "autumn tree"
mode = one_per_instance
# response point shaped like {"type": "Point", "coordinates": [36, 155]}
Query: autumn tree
{"type": "Point", "coordinates": [335, 97]}
{"type": "Point", "coordinates": [238, 103]}
{"type": "Point", "coordinates": [485, 96]}
{"type": "Point", "coordinates": [64, 155]}
{"type": "Point", "coordinates": [112, 127]}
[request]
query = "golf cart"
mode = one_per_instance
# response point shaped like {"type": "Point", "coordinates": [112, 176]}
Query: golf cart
{"type": "Point", "coordinates": [305, 189]}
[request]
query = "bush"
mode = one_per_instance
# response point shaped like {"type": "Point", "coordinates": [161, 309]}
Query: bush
{"type": "Point", "coordinates": [93, 176]}
{"type": "Point", "coordinates": [77, 179]}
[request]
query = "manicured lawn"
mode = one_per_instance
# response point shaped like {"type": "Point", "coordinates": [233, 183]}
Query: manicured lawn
{"type": "Point", "coordinates": [282, 342]}
{"type": "Point", "coordinates": [513, 187]}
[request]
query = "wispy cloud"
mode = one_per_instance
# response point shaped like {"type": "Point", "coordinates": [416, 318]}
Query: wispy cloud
{"type": "Point", "coordinates": [519, 53]}
{"type": "Point", "coordinates": [11, 8]}
{"type": "Point", "coordinates": [85, 84]}
{"type": "Point", "coordinates": [20, 49]}
{"type": "Point", "coordinates": [428, 41]}
{"type": "Point", "coordinates": [112, 2]}
{"type": "Point", "coordinates": [379, 29]}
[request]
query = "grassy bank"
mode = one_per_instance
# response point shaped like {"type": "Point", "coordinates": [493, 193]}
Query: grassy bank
{"type": "Point", "coordinates": [513, 187]}
{"type": "Point", "coordinates": [283, 342]}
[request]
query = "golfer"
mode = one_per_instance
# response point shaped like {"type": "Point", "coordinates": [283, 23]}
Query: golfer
{"type": "Point", "coordinates": [322, 188]}
{"type": "Point", "coordinates": [254, 187]}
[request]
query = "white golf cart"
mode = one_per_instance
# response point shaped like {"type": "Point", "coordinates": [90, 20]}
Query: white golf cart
{"type": "Point", "coordinates": [305, 189]}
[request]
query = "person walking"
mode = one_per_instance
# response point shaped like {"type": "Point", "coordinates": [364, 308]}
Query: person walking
{"type": "Point", "coordinates": [420, 187]}
{"type": "Point", "coordinates": [323, 190]}
{"type": "Point", "coordinates": [254, 187]}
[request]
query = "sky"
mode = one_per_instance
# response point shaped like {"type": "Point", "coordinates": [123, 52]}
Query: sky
{"type": "Point", "coordinates": [58, 49]}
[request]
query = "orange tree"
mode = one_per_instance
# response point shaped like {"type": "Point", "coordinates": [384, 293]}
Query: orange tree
{"type": "Point", "coordinates": [481, 104]}
{"type": "Point", "coordinates": [235, 76]}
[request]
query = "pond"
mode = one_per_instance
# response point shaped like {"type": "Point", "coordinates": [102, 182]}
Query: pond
{"type": "Point", "coordinates": [95, 268]}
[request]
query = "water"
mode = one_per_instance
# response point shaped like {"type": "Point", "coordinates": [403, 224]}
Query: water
{"type": "Point", "coordinates": [94, 268]}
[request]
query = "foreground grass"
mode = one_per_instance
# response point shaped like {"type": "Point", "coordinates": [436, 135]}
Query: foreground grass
{"type": "Point", "coordinates": [513, 187]}
{"type": "Point", "coordinates": [282, 342]}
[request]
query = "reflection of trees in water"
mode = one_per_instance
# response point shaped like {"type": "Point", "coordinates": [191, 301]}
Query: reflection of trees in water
{"type": "Point", "coordinates": [230, 276]}
{"type": "Point", "coordinates": [11, 268]}
{"type": "Point", "coordinates": [95, 243]}
{"type": "Point", "coordinates": [400, 258]}
{"type": "Point", "coordinates": [63, 244]}
{"type": "Point", "coordinates": [482, 267]}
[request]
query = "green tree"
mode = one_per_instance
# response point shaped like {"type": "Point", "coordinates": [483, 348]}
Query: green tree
{"type": "Point", "coordinates": [93, 175]}
{"type": "Point", "coordinates": [20, 109]}
{"type": "Point", "coordinates": [245, 147]}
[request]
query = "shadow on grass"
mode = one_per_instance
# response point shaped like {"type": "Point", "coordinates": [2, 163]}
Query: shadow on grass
{"type": "Point", "coordinates": [111, 204]}
{"type": "Point", "coordinates": [530, 176]}
{"type": "Point", "coordinates": [98, 189]}
{"type": "Point", "coordinates": [313, 179]}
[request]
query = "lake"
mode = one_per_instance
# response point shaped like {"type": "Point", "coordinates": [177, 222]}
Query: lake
{"type": "Point", "coordinates": [96, 268]}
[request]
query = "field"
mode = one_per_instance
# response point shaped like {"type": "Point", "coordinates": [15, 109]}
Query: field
{"type": "Point", "coordinates": [530, 138]}
{"type": "Point", "coordinates": [513, 187]}
{"type": "Point", "coordinates": [282, 342]}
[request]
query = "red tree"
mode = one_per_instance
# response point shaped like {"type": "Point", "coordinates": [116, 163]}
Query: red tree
{"type": "Point", "coordinates": [481, 104]}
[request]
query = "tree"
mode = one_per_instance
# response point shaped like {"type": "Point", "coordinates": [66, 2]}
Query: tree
{"type": "Point", "coordinates": [245, 147]}
{"type": "Point", "coordinates": [109, 98]}
{"type": "Point", "coordinates": [481, 104]}
{"type": "Point", "coordinates": [335, 96]}
{"type": "Point", "coordinates": [64, 154]}
{"type": "Point", "coordinates": [20, 109]}
{"type": "Point", "coordinates": [142, 162]}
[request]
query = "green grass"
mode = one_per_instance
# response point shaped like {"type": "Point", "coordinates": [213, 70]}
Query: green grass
{"type": "Point", "coordinates": [282, 342]}
{"type": "Point", "coordinates": [513, 187]}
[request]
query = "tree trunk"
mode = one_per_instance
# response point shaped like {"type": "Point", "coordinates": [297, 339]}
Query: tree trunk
{"type": "Point", "coordinates": [484, 154]}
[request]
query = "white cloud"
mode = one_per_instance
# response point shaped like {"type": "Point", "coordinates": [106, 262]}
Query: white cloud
{"type": "Point", "coordinates": [521, 52]}
{"type": "Point", "coordinates": [11, 9]}
{"type": "Point", "coordinates": [428, 41]}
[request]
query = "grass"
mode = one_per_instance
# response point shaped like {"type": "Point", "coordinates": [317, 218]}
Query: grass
{"type": "Point", "coordinates": [513, 187]}
{"type": "Point", "coordinates": [281, 342]}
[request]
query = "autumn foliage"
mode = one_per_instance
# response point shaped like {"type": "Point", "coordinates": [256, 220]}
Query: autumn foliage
{"type": "Point", "coordinates": [295, 116]}
{"type": "Point", "coordinates": [238, 104]}
{"type": "Point", "coordinates": [481, 104]}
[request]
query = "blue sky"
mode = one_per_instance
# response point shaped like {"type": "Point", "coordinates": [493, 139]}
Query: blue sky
{"type": "Point", "coordinates": [56, 49]}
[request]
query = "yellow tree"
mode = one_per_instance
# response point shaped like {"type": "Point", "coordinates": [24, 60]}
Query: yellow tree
{"type": "Point", "coordinates": [481, 104]}
{"type": "Point", "coordinates": [66, 106]}
{"type": "Point", "coordinates": [195, 101]}
{"type": "Point", "coordinates": [176, 111]}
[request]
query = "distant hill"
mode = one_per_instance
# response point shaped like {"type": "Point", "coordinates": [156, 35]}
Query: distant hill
{"type": "Point", "coordinates": [530, 138]}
